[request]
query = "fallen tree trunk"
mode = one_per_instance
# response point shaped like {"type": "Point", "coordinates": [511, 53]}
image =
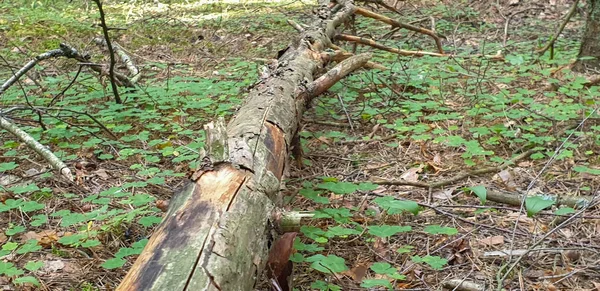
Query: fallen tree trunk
{"type": "Point", "coordinates": [215, 233]}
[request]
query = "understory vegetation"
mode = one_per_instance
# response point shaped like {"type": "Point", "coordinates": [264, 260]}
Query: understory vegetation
{"type": "Point", "coordinates": [409, 174]}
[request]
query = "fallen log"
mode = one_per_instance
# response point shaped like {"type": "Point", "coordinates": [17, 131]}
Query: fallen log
{"type": "Point", "coordinates": [215, 234]}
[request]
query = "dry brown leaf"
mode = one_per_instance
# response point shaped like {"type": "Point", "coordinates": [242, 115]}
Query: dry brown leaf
{"type": "Point", "coordinates": [492, 240]}
{"type": "Point", "coordinates": [3, 238]}
{"type": "Point", "coordinates": [358, 272]}
{"type": "Point", "coordinates": [443, 194]}
{"type": "Point", "coordinates": [102, 174]}
{"type": "Point", "coordinates": [279, 266]}
{"type": "Point", "coordinates": [52, 266]}
{"type": "Point", "coordinates": [412, 174]}
{"type": "Point", "coordinates": [380, 247]}
{"type": "Point", "coordinates": [163, 205]}
{"type": "Point", "coordinates": [596, 286]}
{"type": "Point", "coordinates": [324, 140]}
{"type": "Point", "coordinates": [437, 159]}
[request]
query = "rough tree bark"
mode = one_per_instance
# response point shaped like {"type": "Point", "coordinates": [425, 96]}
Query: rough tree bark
{"type": "Point", "coordinates": [590, 45]}
{"type": "Point", "coordinates": [214, 235]}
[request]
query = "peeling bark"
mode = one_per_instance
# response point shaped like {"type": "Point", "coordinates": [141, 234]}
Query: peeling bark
{"type": "Point", "coordinates": [214, 236]}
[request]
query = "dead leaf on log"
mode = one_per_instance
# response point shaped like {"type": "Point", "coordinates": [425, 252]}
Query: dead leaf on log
{"type": "Point", "coordinates": [163, 205]}
{"type": "Point", "coordinates": [279, 266]}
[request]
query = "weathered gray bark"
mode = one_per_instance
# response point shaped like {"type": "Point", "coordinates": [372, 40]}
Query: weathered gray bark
{"type": "Point", "coordinates": [590, 46]}
{"type": "Point", "coordinates": [214, 236]}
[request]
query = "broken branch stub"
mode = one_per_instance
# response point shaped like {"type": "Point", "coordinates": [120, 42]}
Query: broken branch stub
{"type": "Point", "coordinates": [214, 235]}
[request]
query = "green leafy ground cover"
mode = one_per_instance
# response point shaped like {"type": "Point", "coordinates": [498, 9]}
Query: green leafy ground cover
{"type": "Point", "coordinates": [424, 120]}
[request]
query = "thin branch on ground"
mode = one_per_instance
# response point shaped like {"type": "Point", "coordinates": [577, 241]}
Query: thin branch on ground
{"type": "Point", "coordinates": [539, 241]}
{"type": "Point", "coordinates": [111, 70]}
{"type": "Point", "coordinates": [560, 29]}
{"type": "Point", "coordinates": [40, 149]}
{"type": "Point", "coordinates": [372, 43]}
{"type": "Point", "coordinates": [458, 177]}
{"type": "Point", "coordinates": [64, 50]}
{"type": "Point", "coordinates": [394, 23]}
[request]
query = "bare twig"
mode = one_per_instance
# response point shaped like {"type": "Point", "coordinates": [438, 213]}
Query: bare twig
{"type": "Point", "coordinates": [295, 25]}
{"type": "Point", "coordinates": [458, 177]}
{"type": "Point", "coordinates": [560, 29]}
{"type": "Point", "coordinates": [394, 23]}
{"type": "Point", "coordinates": [372, 43]}
{"type": "Point", "coordinates": [125, 58]}
{"type": "Point", "coordinates": [52, 159]}
{"type": "Point", "coordinates": [111, 70]}
{"type": "Point", "coordinates": [64, 50]}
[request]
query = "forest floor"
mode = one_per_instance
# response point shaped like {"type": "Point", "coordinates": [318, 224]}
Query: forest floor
{"type": "Point", "coordinates": [412, 173]}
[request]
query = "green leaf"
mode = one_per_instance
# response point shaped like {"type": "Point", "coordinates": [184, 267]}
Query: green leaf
{"type": "Point", "coordinates": [314, 196]}
{"type": "Point", "coordinates": [33, 265]}
{"type": "Point", "coordinates": [113, 263]}
{"type": "Point", "coordinates": [437, 229]}
{"type": "Point", "coordinates": [10, 246]}
{"type": "Point", "coordinates": [149, 221]}
{"type": "Point", "coordinates": [72, 219]}
{"type": "Point", "coordinates": [479, 191]}
{"type": "Point", "coordinates": [140, 244]}
{"type": "Point", "coordinates": [8, 166]}
{"type": "Point", "coordinates": [328, 264]}
{"type": "Point", "coordinates": [367, 186]}
{"type": "Point", "coordinates": [382, 268]}
{"type": "Point", "coordinates": [27, 280]}
{"type": "Point", "coordinates": [9, 269]}
{"type": "Point", "coordinates": [30, 206]}
{"type": "Point", "coordinates": [14, 230]}
{"type": "Point", "coordinates": [535, 204]}
{"type": "Point", "coordinates": [24, 189]}
{"type": "Point", "coordinates": [564, 211]}
{"type": "Point", "coordinates": [434, 262]}
{"type": "Point", "coordinates": [405, 249]}
{"type": "Point", "coordinates": [124, 252]}
{"type": "Point", "coordinates": [394, 206]}
{"type": "Point", "coordinates": [324, 286]}
{"type": "Point", "coordinates": [388, 230]}
{"type": "Point", "coordinates": [583, 169]}
{"type": "Point", "coordinates": [372, 283]}
{"type": "Point", "coordinates": [339, 187]}
{"type": "Point", "coordinates": [91, 243]}
{"type": "Point", "coordinates": [341, 231]}
{"type": "Point", "coordinates": [29, 247]}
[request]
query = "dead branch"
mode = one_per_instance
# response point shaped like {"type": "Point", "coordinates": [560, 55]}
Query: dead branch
{"type": "Point", "coordinates": [372, 43]}
{"type": "Point", "coordinates": [111, 70]}
{"type": "Point", "coordinates": [394, 23]}
{"type": "Point", "coordinates": [320, 85]}
{"type": "Point", "coordinates": [515, 199]}
{"type": "Point", "coordinates": [458, 177]}
{"type": "Point", "coordinates": [40, 149]}
{"type": "Point", "coordinates": [295, 25]}
{"type": "Point", "coordinates": [344, 55]}
{"type": "Point", "coordinates": [560, 29]}
{"type": "Point", "coordinates": [462, 285]}
{"type": "Point", "coordinates": [366, 41]}
{"type": "Point", "coordinates": [133, 70]}
{"type": "Point", "coordinates": [63, 51]}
